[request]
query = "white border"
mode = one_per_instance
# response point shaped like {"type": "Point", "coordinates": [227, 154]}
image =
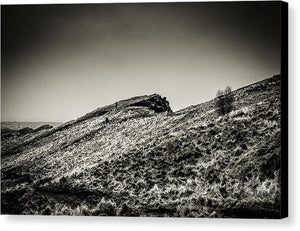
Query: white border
{"type": "Point", "coordinates": [43, 223]}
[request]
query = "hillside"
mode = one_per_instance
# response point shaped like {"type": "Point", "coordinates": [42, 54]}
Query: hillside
{"type": "Point", "coordinates": [138, 158]}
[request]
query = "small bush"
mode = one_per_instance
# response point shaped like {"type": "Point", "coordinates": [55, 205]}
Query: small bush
{"type": "Point", "coordinates": [105, 208]}
{"type": "Point", "coordinates": [224, 103]}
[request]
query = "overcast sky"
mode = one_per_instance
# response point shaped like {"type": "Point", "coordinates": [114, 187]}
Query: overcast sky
{"type": "Point", "coordinates": [59, 62]}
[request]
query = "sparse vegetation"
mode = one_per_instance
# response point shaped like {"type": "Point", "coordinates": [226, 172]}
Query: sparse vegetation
{"type": "Point", "coordinates": [193, 164]}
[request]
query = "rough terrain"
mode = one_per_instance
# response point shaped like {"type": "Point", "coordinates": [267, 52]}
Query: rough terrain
{"type": "Point", "coordinates": [138, 158]}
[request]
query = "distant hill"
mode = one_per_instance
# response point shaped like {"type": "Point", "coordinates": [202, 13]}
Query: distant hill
{"type": "Point", "coordinates": [21, 125]}
{"type": "Point", "coordinates": [138, 158]}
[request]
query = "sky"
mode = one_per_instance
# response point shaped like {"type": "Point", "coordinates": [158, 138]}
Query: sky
{"type": "Point", "coordinates": [59, 62]}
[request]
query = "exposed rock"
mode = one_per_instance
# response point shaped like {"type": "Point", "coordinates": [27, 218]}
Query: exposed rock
{"type": "Point", "coordinates": [47, 126]}
{"type": "Point", "coordinates": [153, 102]}
{"type": "Point", "coordinates": [24, 131]}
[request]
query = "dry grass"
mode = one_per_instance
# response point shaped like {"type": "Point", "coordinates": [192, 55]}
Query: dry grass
{"type": "Point", "coordinates": [192, 164]}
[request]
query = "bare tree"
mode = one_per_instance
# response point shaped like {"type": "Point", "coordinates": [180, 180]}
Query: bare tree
{"type": "Point", "coordinates": [224, 103]}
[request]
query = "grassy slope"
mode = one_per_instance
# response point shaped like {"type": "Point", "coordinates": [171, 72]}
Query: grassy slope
{"type": "Point", "coordinates": [193, 163]}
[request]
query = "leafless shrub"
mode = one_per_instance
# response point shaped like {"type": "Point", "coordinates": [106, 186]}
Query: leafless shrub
{"type": "Point", "coordinates": [224, 103]}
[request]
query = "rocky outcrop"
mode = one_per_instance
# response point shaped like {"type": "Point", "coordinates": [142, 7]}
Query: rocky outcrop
{"type": "Point", "coordinates": [43, 127]}
{"type": "Point", "coordinates": [153, 102]}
